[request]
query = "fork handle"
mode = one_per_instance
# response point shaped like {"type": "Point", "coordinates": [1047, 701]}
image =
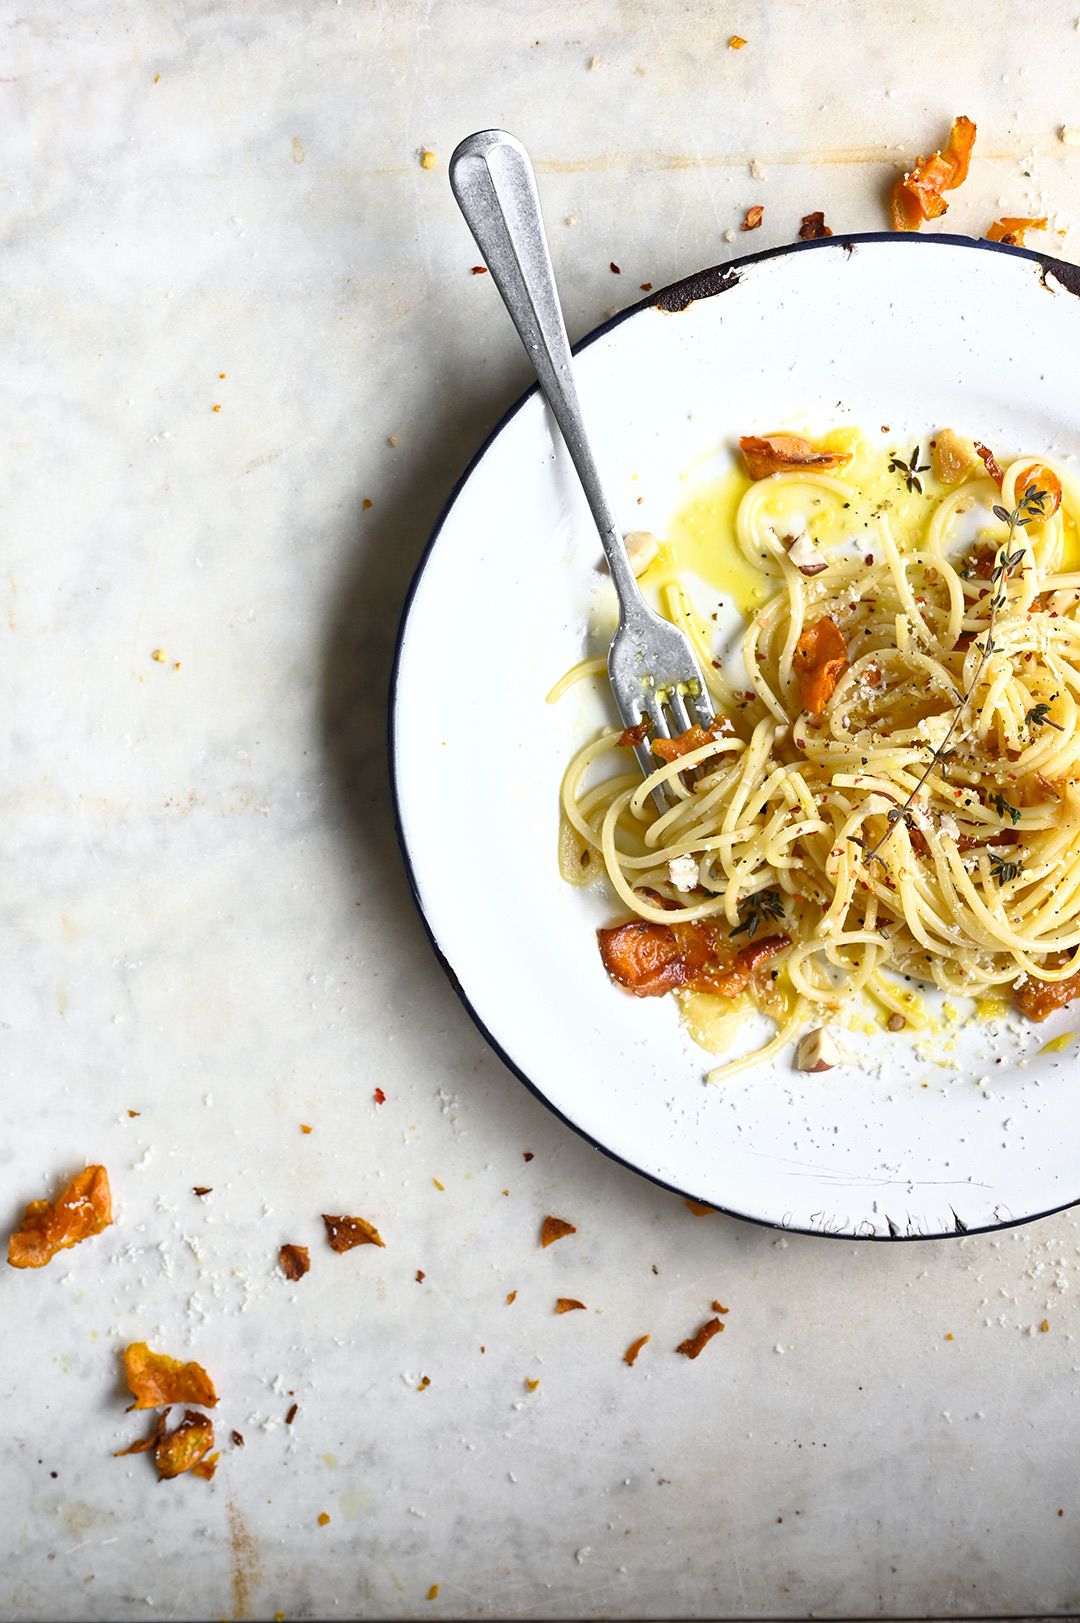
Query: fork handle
{"type": "Point", "coordinates": [495, 188]}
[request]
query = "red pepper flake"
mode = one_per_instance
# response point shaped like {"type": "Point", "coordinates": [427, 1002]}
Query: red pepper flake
{"type": "Point", "coordinates": [345, 1232]}
{"type": "Point", "coordinates": [813, 225]}
{"type": "Point", "coordinates": [291, 1416]}
{"type": "Point", "coordinates": [379, 1096]}
{"type": "Point", "coordinates": [201, 1189]}
{"type": "Point", "coordinates": [424, 1384]}
{"type": "Point", "coordinates": [527, 1155]}
{"type": "Point", "coordinates": [567, 1304]}
{"type": "Point", "coordinates": [868, 560]}
{"type": "Point", "coordinates": [294, 1261]}
{"type": "Point", "coordinates": [479, 270]}
{"type": "Point", "coordinates": [510, 1298]}
{"type": "Point", "coordinates": [237, 1439]}
{"type": "Point", "coordinates": [697, 1342]}
{"type": "Point", "coordinates": [646, 287]}
{"type": "Point", "coordinates": [634, 1348]}
{"type": "Point", "coordinates": [718, 1309]}
{"type": "Point", "coordinates": [420, 1276]}
{"type": "Point", "coordinates": [553, 1228]}
{"type": "Point", "coordinates": [615, 268]}
{"type": "Point", "coordinates": [753, 217]}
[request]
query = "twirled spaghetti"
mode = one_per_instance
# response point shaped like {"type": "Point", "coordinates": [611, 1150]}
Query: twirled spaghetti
{"type": "Point", "coordinates": [925, 822]}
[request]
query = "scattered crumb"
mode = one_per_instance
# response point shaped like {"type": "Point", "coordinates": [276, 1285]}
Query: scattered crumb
{"type": "Point", "coordinates": [615, 268]}
{"type": "Point", "coordinates": [527, 1155]}
{"type": "Point", "coordinates": [424, 1384]}
{"type": "Point", "coordinates": [395, 439]}
{"type": "Point", "coordinates": [304, 1128]}
{"type": "Point", "coordinates": [510, 1297]}
{"type": "Point", "coordinates": [595, 63]}
{"type": "Point", "coordinates": [420, 1276]}
{"type": "Point", "coordinates": [367, 502]}
{"type": "Point", "coordinates": [634, 1348]}
{"type": "Point", "coordinates": [753, 217]}
{"type": "Point", "coordinates": [1070, 137]}
{"type": "Point", "coordinates": [567, 1304]}
{"type": "Point", "coordinates": [479, 270]}
{"type": "Point", "coordinates": [697, 1342]}
{"type": "Point", "coordinates": [531, 1384]}
{"type": "Point", "coordinates": [698, 1209]}
{"type": "Point", "coordinates": [759, 171]}
{"type": "Point", "coordinates": [438, 1185]}
{"type": "Point", "coordinates": [238, 1439]}
{"type": "Point", "coordinates": [344, 1233]}
{"type": "Point", "coordinates": [379, 1096]}
{"type": "Point", "coordinates": [294, 1261]}
{"type": "Point", "coordinates": [160, 655]}
{"type": "Point", "coordinates": [324, 1519]}
{"type": "Point", "coordinates": [201, 1189]}
{"type": "Point", "coordinates": [554, 1228]}
{"type": "Point", "coordinates": [433, 1592]}
{"type": "Point", "coordinates": [736, 43]}
{"type": "Point", "coordinates": [427, 160]}
{"type": "Point", "coordinates": [717, 1308]}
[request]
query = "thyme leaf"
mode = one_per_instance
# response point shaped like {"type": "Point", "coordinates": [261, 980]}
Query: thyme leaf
{"type": "Point", "coordinates": [1003, 869]}
{"type": "Point", "coordinates": [766, 905]}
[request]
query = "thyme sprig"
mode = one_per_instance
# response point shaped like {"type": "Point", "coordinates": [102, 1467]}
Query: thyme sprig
{"type": "Point", "coordinates": [1028, 508]}
{"type": "Point", "coordinates": [766, 905]}
{"type": "Point", "coordinates": [911, 470]}
{"type": "Point", "coordinates": [1005, 868]}
{"type": "Point", "coordinates": [1039, 716]}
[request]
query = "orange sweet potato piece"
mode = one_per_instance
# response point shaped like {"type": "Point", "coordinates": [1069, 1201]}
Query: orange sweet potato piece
{"type": "Point", "coordinates": [294, 1261]}
{"type": "Point", "coordinates": [156, 1379]}
{"type": "Point", "coordinates": [345, 1232]}
{"type": "Point", "coordinates": [1011, 228]}
{"type": "Point", "coordinates": [699, 1340]}
{"type": "Point", "coordinates": [917, 196]}
{"type": "Point", "coordinates": [567, 1304]}
{"type": "Point", "coordinates": [1039, 999]}
{"type": "Point", "coordinates": [553, 1228]}
{"type": "Point", "coordinates": [651, 959]}
{"type": "Point", "coordinates": [1040, 477]}
{"type": "Point", "coordinates": [634, 1348]}
{"type": "Point", "coordinates": [84, 1208]}
{"type": "Point", "coordinates": [183, 1449]}
{"type": "Point", "coordinates": [820, 659]}
{"type": "Point", "coordinates": [694, 738]}
{"type": "Point", "coordinates": [778, 453]}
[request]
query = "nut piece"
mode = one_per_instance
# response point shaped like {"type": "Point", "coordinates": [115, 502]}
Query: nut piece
{"type": "Point", "coordinates": [896, 1022]}
{"type": "Point", "coordinates": [641, 548]}
{"type": "Point", "coordinates": [805, 556]}
{"type": "Point", "coordinates": [816, 1051]}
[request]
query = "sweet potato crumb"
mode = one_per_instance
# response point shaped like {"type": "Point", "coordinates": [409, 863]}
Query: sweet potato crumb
{"type": "Point", "coordinates": [1045, 1325]}
{"type": "Point", "coordinates": [433, 1592]}
{"type": "Point", "coordinates": [217, 408]}
{"type": "Point", "coordinates": [531, 1384]}
{"type": "Point", "coordinates": [427, 160]}
{"type": "Point", "coordinates": [949, 1336]}
{"type": "Point", "coordinates": [367, 502]}
{"type": "Point", "coordinates": [134, 1112]}
{"type": "Point", "coordinates": [324, 1520]}
{"type": "Point", "coordinates": [736, 43]}
{"type": "Point", "coordinates": [439, 1185]}
{"type": "Point", "coordinates": [554, 1228]}
{"type": "Point", "coordinates": [567, 1304]}
{"type": "Point", "coordinates": [304, 1128]}
{"type": "Point", "coordinates": [634, 1348]}
{"type": "Point", "coordinates": [201, 1189]}
{"type": "Point", "coordinates": [698, 1209]}
{"type": "Point", "coordinates": [696, 1343]}
{"type": "Point", "coordinates": [424, 1384]}
{"type": "Point", "coordinates": [753, 217]}
{"type": "Point", "coordinates": [420, 1276]}
{"type": "Point", "coordinates": [646, 287]}
{"type": "Point", "coordinates": [527, 1155]}
{"type": "Point", "coordinates": [291, 1416]}
{"type": "Point", "coordinates": [344, 1233]}
{"type": "Point", "coordinates": [238, 1439]}
{"type": "Point", "coordinates": [294, 1261]}
{"type": "Point", "coordinates": [717, 1308]}
{"type": "Point", "coordinates": [510, 1298]}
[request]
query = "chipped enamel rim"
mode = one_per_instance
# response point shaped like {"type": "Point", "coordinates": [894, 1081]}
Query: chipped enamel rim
{"type": "Point", "coordinates": [498, 604]}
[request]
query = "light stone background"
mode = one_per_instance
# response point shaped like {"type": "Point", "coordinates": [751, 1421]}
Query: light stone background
{"type": "Point", "coordinates": [206, 919]}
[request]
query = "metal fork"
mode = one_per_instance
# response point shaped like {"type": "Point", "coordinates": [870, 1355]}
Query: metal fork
{"type": "Point", "coordinates": [651, 664]}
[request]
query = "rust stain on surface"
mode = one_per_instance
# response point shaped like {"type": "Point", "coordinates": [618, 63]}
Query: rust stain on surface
{"type": "Point", "coordinates": [244, 1558]}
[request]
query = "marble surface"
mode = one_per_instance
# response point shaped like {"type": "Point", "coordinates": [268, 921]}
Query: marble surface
{"type": "Point", "coordinates": [222, 205]}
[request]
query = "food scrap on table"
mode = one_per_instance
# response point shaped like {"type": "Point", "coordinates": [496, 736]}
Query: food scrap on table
{"type": "Point", "coordinates": [294, 1261]}
{"type": "Point", "coordinates": [736, 42]}
{"type": "Point", "coordinates": [323, 1519]}
{"type": "Point", "coordinates": [157, 1380]}
{"type": "Point", "coordinates": [291, 1416]}
{"type": "Point", "coordinates": [84, 1208]}
{"type": "Point", "coordinates": [753, 217]}
{"type": "Point", "coordinates": [699, 1340]}
{"type": "Point", "coordinates": [553, 1228]}
{"type": "Point", "coordinates": [1010, 229]}
{"type": "Point", "coordinates": [345, 1232]}
{"type": "Point", "coordinates": [917, 195]}
{"type": "Point", "coordinates": [532, 1384]}
{"type": "Point", "coordinates": [423, 1384]}
{"type": "Point", "coordinates": [304, 1128]}
{"type": "Point", "coordinates": [765, 454]}
{"type": "Point", "coordinates": [813, 226]}
{"type": "Point", "coordinates": [237, 1439]}
{"type": "Point", "coordinates": [379, 1096]}
{"type": "Point", "coordinates": [420, 1276]}
{"type": "Point", "coordinates": [634, 1348]}
{"type": "Point", "coordinates": [652, 959]}
{"type": "Point", "coordinates": [201, 1189]}
{"type": "Point", "coordinates": [527, 1155]}
{"type": "Point", "coordinates": [567, 1304]}
{"type": "Point", "coordinates": [183, 1449]}
{"type": "Point", "coordinates": [510, 1297]}
{"type": "Point", "coordinates": [479, 270]}
{"type": "Point", "coordinates": [698, 1208]}
{"type": "Point", "coordinates": [717, 1308]}
{"type": "Point", "coordinates": [433, 1592]}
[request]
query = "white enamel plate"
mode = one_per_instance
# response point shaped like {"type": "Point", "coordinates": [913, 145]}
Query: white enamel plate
{"type": "Point", "coordinates": [933, 1136]}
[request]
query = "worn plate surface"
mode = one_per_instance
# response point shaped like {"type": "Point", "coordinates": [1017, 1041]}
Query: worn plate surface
{"type": "Point", "coordinates": [928, 1138]}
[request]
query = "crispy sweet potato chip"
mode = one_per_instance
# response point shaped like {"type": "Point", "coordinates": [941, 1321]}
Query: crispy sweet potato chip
{"type": "Point", "coordinates": [992, 466]}
{"type": "Point", "coordinates": [294, 1261]}
{"type": "Point", "coordinates": [1011, 228]}
{"type": "Point", "coordinates": [634, 1348]}
{"type": "Point", "coordinates": [553, 1228]}
{"type": "Point", "coordinates": [84, 1208]}
{"type": "Point", "coordinates": [567, 1304]}
{"type": "Point", "coordinates": [184, 1449]}
{"type": "Point", "coordinates": [917, 196]}
{"type": "Point", "coordinates": [698, 1209]}
{"type": "Point", "coordinates": [1039, 477]}
{"type": "Point", "coordinates": [694, 738]}
{"type": "Point", "coordinates": [820, 659]}
{"type": "Point", "coordinates": [700, 1338]}
{"type": "Point", "coordinates": [1040, 999]}
{"type": "Point", "coordinates": [651, 959]}
{"type": "Point", "coordinates": [778, 453]}
{"type": "Point", "coordinates": [156, 1379]}
{"type": "Point", "coordinates": [813, 225]}
{"type": "Point", "coordinates": [345, 1232]}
